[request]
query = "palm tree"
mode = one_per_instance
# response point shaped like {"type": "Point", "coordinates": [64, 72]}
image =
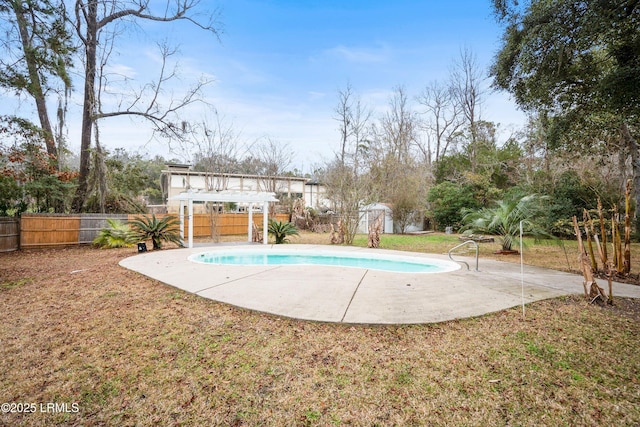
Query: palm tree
{"type": "Point", "coordinates": [503, 220]}
{"type": "Point", "coordinates": [117, 235]}
{"type": "Point", "coordinates": [165, 229]}
{"type": "Point", "coordinates": [281, 230]}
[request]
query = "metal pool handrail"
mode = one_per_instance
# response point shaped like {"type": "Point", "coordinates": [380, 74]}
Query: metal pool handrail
{"type": "Point", "coordinates": [459, 246]}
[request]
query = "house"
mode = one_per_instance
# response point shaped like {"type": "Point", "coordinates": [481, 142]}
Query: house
{"type": "Point", "coordinates": [178, 178]}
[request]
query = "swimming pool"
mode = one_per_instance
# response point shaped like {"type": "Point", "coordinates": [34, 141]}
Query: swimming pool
{"type": "Point", "coordinates": [396, 264]}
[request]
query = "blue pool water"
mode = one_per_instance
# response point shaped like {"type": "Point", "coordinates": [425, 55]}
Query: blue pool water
{"type": "Point", "coordinates": [384, 263]}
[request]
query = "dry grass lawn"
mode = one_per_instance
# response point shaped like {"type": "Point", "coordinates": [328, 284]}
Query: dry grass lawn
{"type": "Point", "coordinates": [75, 328]}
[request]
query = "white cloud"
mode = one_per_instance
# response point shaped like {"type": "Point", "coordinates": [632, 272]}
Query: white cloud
{"type": "Point", "coordinates": [309, 131]}
{"type": "Point", "coordinates": [122, 70]}
{"type": "Point", "coordinates": [377, 100]}
{"type": "Point", "coordinates": [241, 73]}
{"type": "Point", "coordinates": [359, 55]}
{"type": "Point", "coordinates": [314, 96]}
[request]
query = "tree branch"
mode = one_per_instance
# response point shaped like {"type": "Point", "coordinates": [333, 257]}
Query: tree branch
{"type": "Point", "coordinates": [183, 7]}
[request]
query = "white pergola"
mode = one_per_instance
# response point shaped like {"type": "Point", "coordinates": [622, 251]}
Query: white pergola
{"type": "Point", "coordinates": [225, 196]}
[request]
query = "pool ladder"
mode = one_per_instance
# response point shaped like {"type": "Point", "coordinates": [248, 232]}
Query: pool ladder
{"type": "Point", "coordinates": [461, 245]}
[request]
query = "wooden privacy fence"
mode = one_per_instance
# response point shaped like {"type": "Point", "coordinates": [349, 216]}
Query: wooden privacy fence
{"type": "Point", "coordinates": [40, 230]}
{"type": "Point", "coordinates": [9, 234]}
{"type": "Point", "coordinates": [43, 230]}
{"type": "Point", "coordinates": [227, 224]}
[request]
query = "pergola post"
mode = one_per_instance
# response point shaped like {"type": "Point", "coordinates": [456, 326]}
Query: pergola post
{"type": "Point", "coordinates": [181, 217]}
{"type": "Point", "coordinates": [265, 222]}
{"type": "Point", "coordinates": [190, 203]}
{"type": "Point", "coordinates": [250, 239]}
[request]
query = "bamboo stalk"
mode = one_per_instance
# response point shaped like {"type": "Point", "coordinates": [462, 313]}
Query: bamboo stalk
{"type": "Point", "coordinates": [614, 261]}
{"type": "Point", "coordinates": [610, 277]}
{"type": "Point", "coordinates": [606, 265]}
{"type": "Point", "coordinates": [627, 229]}
{"type": "Point", "coordinates": [584, 266]}
{"type": "Point", "coordinates": [599, 246]}
{"type": "Point", "coordinates": [588, 225]}
{"type": "Point", "coordinates": [616, 241]}
{"type": "Point", "coordinates": [601, 252]}
{"type": "Point", "coordinates": [603, 231]}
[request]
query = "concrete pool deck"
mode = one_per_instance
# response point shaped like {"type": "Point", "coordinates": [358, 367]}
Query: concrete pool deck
{"type": "Point", "coordinates": [355, 295]}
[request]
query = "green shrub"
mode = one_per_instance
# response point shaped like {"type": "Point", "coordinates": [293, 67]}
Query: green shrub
{"type": "Point", "coordinates": [448, 201]}
{"type": "Point", "coordinates": [117, 235]}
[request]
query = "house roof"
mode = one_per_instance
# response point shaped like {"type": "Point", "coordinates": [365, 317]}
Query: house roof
{"type": "Point", "coordinates": [226, 196]}
{"type": "Point", "coordinates": [234, 175]}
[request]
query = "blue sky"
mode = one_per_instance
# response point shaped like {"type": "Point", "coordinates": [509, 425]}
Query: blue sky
{"type": "Point", "coordinates": [278, 65]}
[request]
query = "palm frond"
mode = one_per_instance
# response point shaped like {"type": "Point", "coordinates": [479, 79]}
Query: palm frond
{"type": "Point", "coordinates": [158, 230]}
{"type": "Point", "coordinates": [117, 235]}
{"type": "Point", "coordinates": [503, 220]}
{"type": "Point", "coordinates": [281, 230]}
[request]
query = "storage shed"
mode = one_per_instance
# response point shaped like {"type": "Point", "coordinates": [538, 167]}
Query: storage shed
{"type": "Point", "coordinates": [369, 213]}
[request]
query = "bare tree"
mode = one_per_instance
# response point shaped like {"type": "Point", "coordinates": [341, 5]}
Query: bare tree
{"type": "Point", "coordinates": [360, 131]}
{"type": "Point", "coordinates": [348, 191]}
{"type": "Point", "coordinates": [343, 116]}
{"type": "Point", "coordinates": [92, 19]}
{"type": "Point", "coordinates": [97, 180]}
{"type": "Point", "coordinates": [353, 122]}
{"type": "Point", "coordinates": [399, 179]}
{"type": "Point", "coordinates": [273, 159]}
{"type": "Point", "coordinates": [408, 197]}
{"type": "Point", "coordinates": [399, 126]}
{"type": "Point", "coordinates": [218, 146]}
{"type": "Point", "coordinates": [466, 81]}
{"type": "Point", "coordinates": [443, 119]}
{"type": "Point", "coordinates": [346, 176]}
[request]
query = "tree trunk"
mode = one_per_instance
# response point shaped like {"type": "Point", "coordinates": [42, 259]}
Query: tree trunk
{"type": "Point", "coordinates": [374, 233]}
{"type": "Point", "coordinates": [634, 150]}
{"type": "Point", "coordinates": [591, 289]}
{"type": "Point", "coordinates": [337, 233]}
{"type": "Point", "coordinates": [88, 106]}
{"type": "Point", "coordinates": [35, 87]}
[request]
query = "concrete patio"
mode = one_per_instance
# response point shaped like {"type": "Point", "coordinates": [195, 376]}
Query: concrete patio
{"type": "Point", "coordinates": [355, 295]}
